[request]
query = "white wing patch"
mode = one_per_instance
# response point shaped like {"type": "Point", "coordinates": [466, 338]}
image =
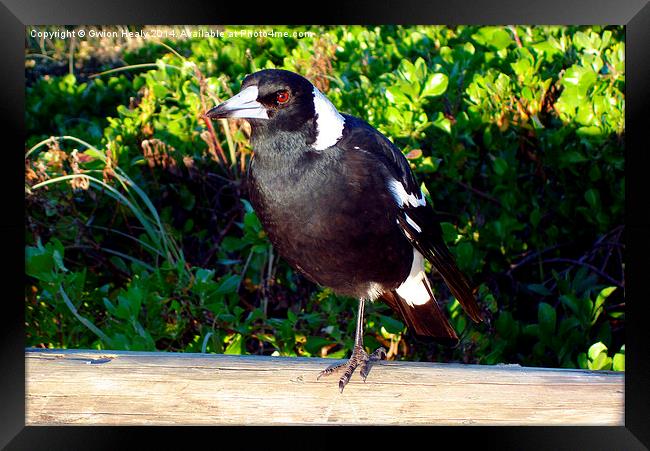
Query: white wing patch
{"type": "Point", "coordinates": [413, 290]}
{"type": "Point", "coordinates": [402, 197]}
{"type": "Point", "coordinates": [412, 223]}
{"type": "Point", "coordinates": [329, 123]}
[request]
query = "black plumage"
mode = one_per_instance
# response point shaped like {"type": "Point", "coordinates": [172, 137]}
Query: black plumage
{"type": "Point", "coordinates": [341, 205]}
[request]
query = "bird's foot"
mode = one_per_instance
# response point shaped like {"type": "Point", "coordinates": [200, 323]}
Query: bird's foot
{"type": "Point", "coordinates": [359, 358]}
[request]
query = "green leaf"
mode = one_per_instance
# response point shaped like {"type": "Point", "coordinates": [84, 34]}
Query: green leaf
{"type": "Point", "coordinates": [119, 263]}
{"type": "Point", "coordinates": [395, 95]}
{"type": "Point", "coordinates": [573, 157]}
{"type": "Point", "coordinates": [442, 122]}
{"type": "Point", "coordinates": [600, 300]}
{"type": "Point", "coordinates": [535, 217]}
{"type": "Point", "coordinates": [546, 317]}
{"type": "Point", "coordinates": [420, 68]}
{"type": "Point", "coordinates": [109, 306]}
{"type": "Point", "coordinates": [252, 222]}
{"type": "Point", "coordinates": [607, 35]}
{"type": "Point", "coordinates": [435, 85]}
{"type": "Point", "coordinates": [567, 324]}
{"type": "Point", "coordinates": [582, 361]}
{"type": "Point", "coordinates": [449, 232]}
{"type": "Point", "coordinates": [571, 302]}
{"type": "Point", "coordinates": [580, 77]}
{"type": "Point", "coordinates": [594, 173]}
{"type": "Point", "coordinates": [188, 200]}
{"type": "Point", "coordinates": [502, 83]}
{"type": "Point", "coordinates": [618, 363]}
{"type": "Point", "coordinates": [465, 254]}
{"type": "Point", "coordinates": [604, 333]}
{"type": "Point", "coordinates": [236, 345]}
{"type": "Point", "coordinates": [391, 325]}
{"type": "Point", "coordinates": [231, 244]}
{"type": "Point", "coordinates": [594, 132]}
{"type": "Point", "coordinates": [228, 284]}
{"type": "Point", "coordinates": [159, 90]}
{"type": "Point", "coordinates": [122, 309]}
{"type": "Point", "coordinates": [585, 115]}
{"type": "Point", "coordinates": [592, 198]}
{"type": "Point", "coordinates": [429, 165]}
{"type": "Point", "coordinates": [531, 330]}
{"type": "Point", "coordinates": [410, 89]}
{"type": "Point", "coordinates": [601, 362]}
{"type": "Point", "coordinates": [204, 275]}
{"type": "Point", "coordinates": [407, 70]}
{"type": "Point", "coordinates": [314, 344]}
{"type": "Point", "coordinates": [40, 266]}
{"type": "Point", "coordinates": [596, 349]}
{"type": "Point", "coordinates": [57, 256]}
{"type": "Point", "coordinates": [341, 353]}
{"type": "Point", "coordinates": [582, 41]}
{"type": "Point", "coordinates": [539, 289]}
{"type": "Point", "coordinates": [506, 326]}
{"type": "Point", "coordinates": [495, 37]}
{"type": "Point", "coordinates": [500, 166]}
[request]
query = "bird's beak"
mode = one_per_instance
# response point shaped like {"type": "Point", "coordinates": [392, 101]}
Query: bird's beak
{"type": "Point", "coordinates": [244, 105]}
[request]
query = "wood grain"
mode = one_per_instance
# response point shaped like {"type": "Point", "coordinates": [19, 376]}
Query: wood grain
{"type": "Point", "coordinates": [142, 388]}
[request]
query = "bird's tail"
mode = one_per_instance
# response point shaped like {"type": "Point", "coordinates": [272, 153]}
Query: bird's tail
{"type": "Point", "coordinates": [444, 263]}
{"type": "Point", "coordinates": [424, 318]}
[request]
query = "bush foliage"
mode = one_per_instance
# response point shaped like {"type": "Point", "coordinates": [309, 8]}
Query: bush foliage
{"type": "Point", "coordinates": [139, 236]}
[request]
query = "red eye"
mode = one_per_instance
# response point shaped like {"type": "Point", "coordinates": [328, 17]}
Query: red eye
{"type": "Point", "coordinates": [282, 96]}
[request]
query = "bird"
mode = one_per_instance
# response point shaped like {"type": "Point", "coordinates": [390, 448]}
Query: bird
{"type": "Point", "coordinates": [340, 204]}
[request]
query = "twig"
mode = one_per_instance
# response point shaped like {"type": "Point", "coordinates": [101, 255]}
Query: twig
{"type": "Point", "coordinates": [221, 155]}
{"type": "Point", "coordinates": [218, 240]}
{"type": "Point", "coordinates": [479, 193]}
{"type": "Point", "coordinates": [516, 35]}
{"type": "Point", "coordinates": [208, 121]}
{"type": "Point", "coordinates": [586, 265]}
{"type": "Point", "coordinates": [269, 272]}
{"type": "Point", "coordinates": [533, 255]}
{"type": "Point", "coordinates": [244, 269]}
{"type": "Point", "coordinates": [71, 56]}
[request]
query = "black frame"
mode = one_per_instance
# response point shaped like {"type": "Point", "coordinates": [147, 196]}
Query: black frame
{"type": "Point", "coordinates": [635, 14]}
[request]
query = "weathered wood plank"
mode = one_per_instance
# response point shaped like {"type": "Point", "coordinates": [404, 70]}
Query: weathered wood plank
{"type": "Point", "coordinates": [137, 388]}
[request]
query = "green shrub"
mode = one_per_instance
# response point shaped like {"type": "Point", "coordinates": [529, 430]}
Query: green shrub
{"type": "Point", "coordinates": [139, 235]}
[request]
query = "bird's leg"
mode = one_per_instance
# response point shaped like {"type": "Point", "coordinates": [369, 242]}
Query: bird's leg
{"type": "Point", "coordinates": [359, 355]}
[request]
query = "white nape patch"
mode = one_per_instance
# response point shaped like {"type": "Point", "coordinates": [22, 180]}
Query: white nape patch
{"type": "Point", "coordinates": [402, 197]}
{"type": "Point", "coordinates": [412, 223]}
{"type": "Point", "coordinates": [329, 123]}
{"type": "Point", "coordinates": [413, 289]}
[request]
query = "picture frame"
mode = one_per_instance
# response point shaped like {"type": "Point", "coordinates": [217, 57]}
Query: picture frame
{"type": "Point", "coordinates": [635, 15]}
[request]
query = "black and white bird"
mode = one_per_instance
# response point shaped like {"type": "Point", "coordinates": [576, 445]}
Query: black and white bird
{"type": "Point", "coordinates": [340, 203]}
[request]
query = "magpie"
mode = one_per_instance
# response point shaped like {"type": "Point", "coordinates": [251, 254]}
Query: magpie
{"type": "Point", "coordinates": [340, 204]}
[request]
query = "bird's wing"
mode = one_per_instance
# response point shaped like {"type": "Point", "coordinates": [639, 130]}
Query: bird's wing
{"type": "Point", "coordinates": [415, 217]}
{"type": "Point", "coordinates": [424, 232]}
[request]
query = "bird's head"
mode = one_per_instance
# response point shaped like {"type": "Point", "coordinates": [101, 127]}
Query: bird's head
{"type": "Point", "coordinates": [280, 100]}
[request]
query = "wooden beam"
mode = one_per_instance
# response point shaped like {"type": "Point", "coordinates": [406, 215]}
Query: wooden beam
{"type": "Point", "coordinates": [137, 388]}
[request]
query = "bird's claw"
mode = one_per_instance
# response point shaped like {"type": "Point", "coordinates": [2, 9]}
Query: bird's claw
{"type": "Point", "coordinates": [359, 358]}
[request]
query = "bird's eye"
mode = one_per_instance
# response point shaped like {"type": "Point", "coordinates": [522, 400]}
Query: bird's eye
{"type": "Point", "coordinates": [282, 96]}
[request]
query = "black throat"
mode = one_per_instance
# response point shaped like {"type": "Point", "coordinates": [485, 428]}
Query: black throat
{"type": "Point", "coordinates": [273, 146]}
